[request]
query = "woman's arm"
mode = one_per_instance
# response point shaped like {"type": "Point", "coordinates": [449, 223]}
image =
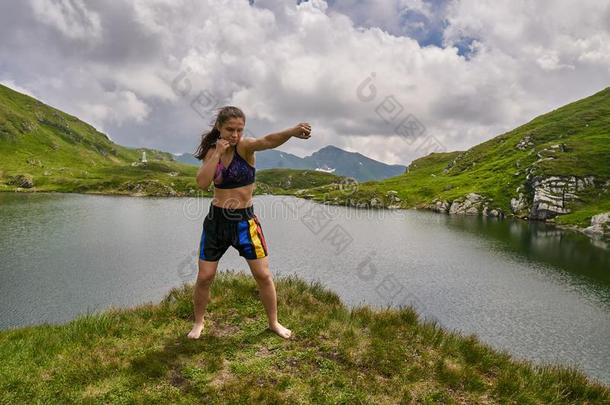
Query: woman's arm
{"type": "Point", "coordinates": [206, 172]}
{"type": "Point", "coordinates": [275, 139]}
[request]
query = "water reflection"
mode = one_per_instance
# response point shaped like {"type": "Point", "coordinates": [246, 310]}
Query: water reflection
{"type": "Point", "coordinates": [544, 243]}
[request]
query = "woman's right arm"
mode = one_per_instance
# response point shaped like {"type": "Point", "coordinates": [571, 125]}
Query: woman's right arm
{"type": "Point", "coordinates": [206, 172]}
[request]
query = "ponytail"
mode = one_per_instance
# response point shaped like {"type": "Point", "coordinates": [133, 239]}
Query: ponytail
{"type": "Point", "coordinates": [208, 139]}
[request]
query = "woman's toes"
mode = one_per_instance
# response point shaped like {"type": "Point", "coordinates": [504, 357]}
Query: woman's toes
{"type": "Point", "coordinates": [195, 332]}
{"type": "Point", "coordinates": [281, 331]}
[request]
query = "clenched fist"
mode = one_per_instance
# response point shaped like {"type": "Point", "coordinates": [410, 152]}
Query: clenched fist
{"type": "Point", "coordinates": [303, 131]}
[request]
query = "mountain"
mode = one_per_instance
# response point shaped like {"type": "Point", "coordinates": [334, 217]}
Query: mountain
{"type": "Point", "coordinates": [554, 168]}
{"type": "Point", "coordinates": [329, 159]}
{"type": "Point", "coordinates": [275, 159]}
{"type": "Point", "coordinates": [352, 164]}
{"type": "Point", "coordinates": [187, 158]}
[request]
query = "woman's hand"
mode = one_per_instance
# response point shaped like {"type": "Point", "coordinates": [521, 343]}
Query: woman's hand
{"type": "Point", "coordinates": [303, 131]}
{"type": "Point", "coordinates": [222, 145]}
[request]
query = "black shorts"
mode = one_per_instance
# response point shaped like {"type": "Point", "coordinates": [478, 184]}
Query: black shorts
{"type": "Point", "coordinates": [237, 227]}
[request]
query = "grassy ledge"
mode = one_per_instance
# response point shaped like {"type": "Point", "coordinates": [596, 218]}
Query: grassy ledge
{"type": "Point", "coordinates": [338, 355]}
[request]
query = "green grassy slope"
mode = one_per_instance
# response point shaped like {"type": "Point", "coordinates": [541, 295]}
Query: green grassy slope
{"type": "Point", "coordinates": [63, 153]}
{"type": "Point", "coordinates": [290, 180]}
{"type": "Point", "coordinates": [337, 355]}
{"type": "Point", "coordinates": [496, 168]}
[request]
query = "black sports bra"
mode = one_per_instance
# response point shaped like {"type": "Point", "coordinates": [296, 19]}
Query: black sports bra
{"type": "Point", "coordinates": [238, 173]}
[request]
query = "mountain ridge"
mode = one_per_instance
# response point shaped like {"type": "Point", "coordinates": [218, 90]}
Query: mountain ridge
{"type": "Point", "coordinates": [345, 163]}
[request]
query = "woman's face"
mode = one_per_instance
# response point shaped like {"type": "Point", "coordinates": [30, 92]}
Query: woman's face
{"type": "Point", "coordinates": [232, 130]}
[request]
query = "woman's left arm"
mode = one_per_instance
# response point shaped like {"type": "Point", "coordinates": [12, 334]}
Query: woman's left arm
{"type": "Point", "coordinates": [273, 140]}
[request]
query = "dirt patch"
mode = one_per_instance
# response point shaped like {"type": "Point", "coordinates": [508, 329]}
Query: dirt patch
{"type": "Point", "coordinates": [220, 330]}
{"type": "Point", "coordinates": [177, 379]}
{"type": "Point", "coordinates": [223, 375]}
{"type": "Point", "coordinates": [263, 352]}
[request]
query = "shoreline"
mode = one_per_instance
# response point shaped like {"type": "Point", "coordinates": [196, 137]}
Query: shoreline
{"type": "Point", "coordinates": [570, 228]}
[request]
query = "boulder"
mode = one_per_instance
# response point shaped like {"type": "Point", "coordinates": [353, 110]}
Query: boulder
{"type": "Point", "coordinates": [148, 187]}
{"type": "Point", "coordinates": [21, 180]}
{"type": "Point", "coordinates": [375, 203]}
{"type": "Point", "coordinates": [519, 205]}
{"type": "Point", "coordinates": [496, 212]}
{"type": "Point", "coordinates": [34, 162]}
{"type": "Point", "coordinates": [600, 225]}
{"type": "Point", "coordinates": [392, 197]}
{"type": "Point", "coordinates": [440, 206]}
{"type": "Point", "coordinates": [471, 205]}
{"type": "Point", "coordinates": [525, 143]}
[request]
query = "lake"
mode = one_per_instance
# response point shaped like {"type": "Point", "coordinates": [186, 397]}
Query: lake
{"type": "Point", "coordinates": [536, 291]}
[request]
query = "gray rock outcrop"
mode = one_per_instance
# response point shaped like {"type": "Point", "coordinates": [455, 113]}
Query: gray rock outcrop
{"type": "Point", "coordinates": [21, 180]}
{"type": "Point", "coordinates": [440, 206]}
{"type": "Point", "coordinates": [471, 205]}
{"type": "Point", "coordinates": [600, 225]}
{"type": "Point", "coordinates": [519, 205]}
{"type": "Point", "coordinates": [525, 143]}
{"type": "Point", "coordinates": [148, 187]}
{"type": "Point", "coordinates": [552, 195]}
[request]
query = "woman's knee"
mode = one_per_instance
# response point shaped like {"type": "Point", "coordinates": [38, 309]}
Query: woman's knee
{"type": "Point", "coordinates": [206, 275]}
{"type": "Point", "coordinates": [263, 277]}
{"type": "Point", "coordinates": [205, 279]}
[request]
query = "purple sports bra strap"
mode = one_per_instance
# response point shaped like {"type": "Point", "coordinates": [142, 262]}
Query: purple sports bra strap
{"type": "Point", "coordinates": [249, 165]}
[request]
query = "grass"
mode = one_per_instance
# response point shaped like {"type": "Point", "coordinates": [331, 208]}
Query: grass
{"type": "Point", "coordinates": [62, 153]}
{"type": "Point", "coordinates": [337, 355]}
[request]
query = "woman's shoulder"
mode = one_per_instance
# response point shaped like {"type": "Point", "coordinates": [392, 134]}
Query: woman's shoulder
{"type": "Point", "coordinates": [245, 153]}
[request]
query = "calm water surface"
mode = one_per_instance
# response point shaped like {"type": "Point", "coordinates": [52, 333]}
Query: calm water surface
{"type": "Point", "coordinates": [539, 293]}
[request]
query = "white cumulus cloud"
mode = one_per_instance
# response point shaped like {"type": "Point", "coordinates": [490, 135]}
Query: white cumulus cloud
{"type": "Point", "coordinates": [363, 73]}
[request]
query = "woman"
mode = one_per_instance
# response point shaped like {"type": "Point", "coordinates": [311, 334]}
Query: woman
{"type": "Point", "coordinates": [228, 162]}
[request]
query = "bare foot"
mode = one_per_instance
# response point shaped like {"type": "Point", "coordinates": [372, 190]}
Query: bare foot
{"type": "Point", "coordinates": [280, 330]}
{"type": "Point", "coordinates": [196, 331]}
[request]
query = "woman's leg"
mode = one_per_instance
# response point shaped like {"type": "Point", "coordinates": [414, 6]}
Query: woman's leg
{"type": "Point", "coordinates": [264, 279]}
{"type": "Point", "coordinates": [201, 294]}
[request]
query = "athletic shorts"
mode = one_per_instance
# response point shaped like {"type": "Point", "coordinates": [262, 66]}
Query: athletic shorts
{"type": "Point", "coordinates": [237, 227]}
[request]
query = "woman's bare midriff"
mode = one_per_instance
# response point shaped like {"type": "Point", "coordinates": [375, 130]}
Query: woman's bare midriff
{"type": "Point", "coordinates": [239, 197]}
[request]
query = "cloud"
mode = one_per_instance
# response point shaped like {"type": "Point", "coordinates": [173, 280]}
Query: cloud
{"type": "Point", "coordinates": [70, 17]}
{"type": "Point", "coordinates": [116, 107]}
{"type": "Point", "coordinates": [422, 20]}
{"type": "Point", "coordinates": [150, 73]}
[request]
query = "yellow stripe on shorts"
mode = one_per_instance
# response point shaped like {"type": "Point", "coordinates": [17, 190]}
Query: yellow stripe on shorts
{"type": "Point", "coordinates": [258, 245]}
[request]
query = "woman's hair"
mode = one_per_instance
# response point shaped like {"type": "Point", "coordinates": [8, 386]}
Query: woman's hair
{"type": "Point", "coordinates": [209, 138]}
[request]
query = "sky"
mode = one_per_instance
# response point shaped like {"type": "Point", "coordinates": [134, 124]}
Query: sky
{"type": "Point", "coordinates": [391, 79]}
